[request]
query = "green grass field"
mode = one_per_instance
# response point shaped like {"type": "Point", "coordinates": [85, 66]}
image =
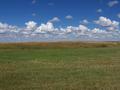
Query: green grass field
{"type": "Point", "coordinates": [60, 66]}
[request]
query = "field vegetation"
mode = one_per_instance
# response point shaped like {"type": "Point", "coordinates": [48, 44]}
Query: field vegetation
{"type": "Point", "coordinates": [60, 66]}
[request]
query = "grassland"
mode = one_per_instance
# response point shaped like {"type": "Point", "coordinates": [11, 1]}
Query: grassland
{"type": "Point", "coordinates": [60, 66]}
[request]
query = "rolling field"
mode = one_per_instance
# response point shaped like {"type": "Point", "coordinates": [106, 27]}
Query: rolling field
{"type": "Point", "coordinates": [60, 66]}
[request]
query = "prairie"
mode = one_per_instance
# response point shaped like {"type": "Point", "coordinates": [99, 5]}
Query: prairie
{"type": "Point", "coordinates": [60, 66]}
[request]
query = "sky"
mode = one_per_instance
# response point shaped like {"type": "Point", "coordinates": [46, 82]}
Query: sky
{"type": "Point", "coordinates": [50, 20]}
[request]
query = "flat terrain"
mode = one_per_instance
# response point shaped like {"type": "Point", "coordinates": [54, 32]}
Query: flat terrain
{"type": "Point", "coordinates": [60, 66]}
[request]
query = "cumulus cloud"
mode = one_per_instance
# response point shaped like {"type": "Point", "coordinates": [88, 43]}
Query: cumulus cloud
{"type": "Point", "coordinates": [47, 31]}
{"type": "Point", "coordinates": [55, 19]}
{"type": "Point", "coordinates": [69, 17]}
{"type": "Point", "coordinates": [3, 27]}
{"type": "Point", "coordinates": [98, 30]}
{"type": "Point", "coordinates": [118, 15]}
{"type": "Point", "coordinates": [67, 30]}
{"type": "Point", "coordinates": [106, 22]}
{"type": "Point", "coordinates": [83, 28]}
{"type": "Point", "coordinates": [99, 10]}
{"type": "Point", "coordinates": [113, 3]}
{"type": "Point", "coordinates": [85, 21]}
{"type": "Point", "coordinates": [31, 25]}
{"type": "Point", "coordinates": [43, 28]}
{"type": "Point", "coordinates": [103, 21]}
{"type": "Point", "coordinates": [7, 28]}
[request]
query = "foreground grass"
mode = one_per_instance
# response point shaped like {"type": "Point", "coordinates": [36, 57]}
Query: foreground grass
{"type": "Point", "coordinates": [34, 67]}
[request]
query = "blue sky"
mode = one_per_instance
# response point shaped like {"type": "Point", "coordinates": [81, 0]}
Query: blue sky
{"type": "Point", "coordinates": [61, 13]}
{"type": "Point", "coordinates": [18, 12]}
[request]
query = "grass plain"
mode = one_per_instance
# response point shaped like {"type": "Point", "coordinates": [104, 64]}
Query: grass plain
{"type": "Point", "coordinates": [60, 66]}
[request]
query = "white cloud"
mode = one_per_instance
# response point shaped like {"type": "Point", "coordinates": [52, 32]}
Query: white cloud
{"type": "Point", "coordinates": [99, 10]}
{"type": "Point", "coordinates": [109, 24]}
{"type": "Point", "coordinates": [85, 21]}
{"type": "Point", "coordinates": [113, 3]}
{"type": "Point", "coordinates": [83, 28]}
{"type": "Point", "coordinates": [7, 28]}
{"type": "Point", "coordinates": [105, 22]}
{"type": "Point", "coordinates": [55, 19]}
{"type": "Point", "coordinates": [115, 24]}
{"type": "Point", "coordinates": [69, 17]}
{"type": "Point", "coordinates": [43, 28]}
{"type": "Point", "coordinates": [97, 30]}
{"type": "Point", "coordinates": [3, 26]}
{"type": "Point", "coordinates": [69, 29]}
{"type": "Point", "coordinates": [109, 30]}
{"type": "Point", "coordinates": [31, 25]}
{"type": "Point", "coordinates": [118, 15]}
